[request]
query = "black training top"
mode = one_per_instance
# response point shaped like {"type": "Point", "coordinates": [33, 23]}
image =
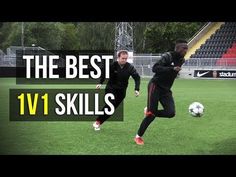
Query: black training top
{"type": "Point", "coordinates": [119, 76]}
{"type": "Point", "coordinates": [164, 70]}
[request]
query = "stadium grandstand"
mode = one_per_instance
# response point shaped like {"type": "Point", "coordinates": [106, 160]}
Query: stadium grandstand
{"type": "Point", "coordinates": [213, 48]}
{"type": "Point", "coordinates": [216, 49]}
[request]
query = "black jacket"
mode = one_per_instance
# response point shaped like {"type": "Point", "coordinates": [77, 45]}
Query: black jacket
{"type": "Point", "coordinates": [164, 70]}
{"type": "Point", "coordinates": [119, 76]}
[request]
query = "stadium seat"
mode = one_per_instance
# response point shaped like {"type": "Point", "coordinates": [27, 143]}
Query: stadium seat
{"type": "Point", "coordinates": [221, 45]}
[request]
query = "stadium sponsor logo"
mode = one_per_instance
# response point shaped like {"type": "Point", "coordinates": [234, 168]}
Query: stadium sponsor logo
{"type": "Point", "coordinates": [202, 74]}
{"type": "Point", "coordinates": [215, 73]}
{"type": "Point", "coordinates": [228, 74]}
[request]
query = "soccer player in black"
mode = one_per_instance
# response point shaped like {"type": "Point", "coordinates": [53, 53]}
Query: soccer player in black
{"type": "Point", "coordinates": [159, 88]}
{"type": "Point", "coordinates": [120, 71]}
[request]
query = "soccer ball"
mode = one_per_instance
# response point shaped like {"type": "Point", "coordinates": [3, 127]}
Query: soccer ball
{"type": "Point", "coordinates": [196, 109]}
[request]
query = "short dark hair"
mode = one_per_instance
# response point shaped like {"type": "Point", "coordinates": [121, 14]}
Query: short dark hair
{"type": "Point", "coordinates": [124, 52]}
{"type": "Point", "coordinates": [180, 41]}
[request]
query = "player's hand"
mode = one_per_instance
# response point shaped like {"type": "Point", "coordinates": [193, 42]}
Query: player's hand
{"type": "Point", "coordinates": [98, 86]}
{"type": "Point", "coordinates": [177, 68]}
{"type": "Point", "coordinates": [136, 93]}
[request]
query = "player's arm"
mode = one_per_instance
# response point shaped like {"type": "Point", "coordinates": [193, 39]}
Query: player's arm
{"type": "Point", "coordinates": [178, 68]}
{"type": "Point", "coordinates": [102, 78]}
{"type": "Point", "coordinates": [163, 65]}
{"type": "Point", "coordinates": [135, 75]}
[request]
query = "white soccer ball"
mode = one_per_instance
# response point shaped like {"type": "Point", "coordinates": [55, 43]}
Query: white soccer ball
{"type": "Point", "coordinates": [196, 109]}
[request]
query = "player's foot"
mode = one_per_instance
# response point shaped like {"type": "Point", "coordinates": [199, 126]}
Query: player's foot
{"type": "Point", "coordinates": [139, 140]}
{"type": "Point", "coordinates": [145, 111]}
{"type": "Point", "coordinates": [96, 125]}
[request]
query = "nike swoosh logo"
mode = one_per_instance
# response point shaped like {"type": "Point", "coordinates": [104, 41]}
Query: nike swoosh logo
{"type": "Point", "coordinates": [202, 74]}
